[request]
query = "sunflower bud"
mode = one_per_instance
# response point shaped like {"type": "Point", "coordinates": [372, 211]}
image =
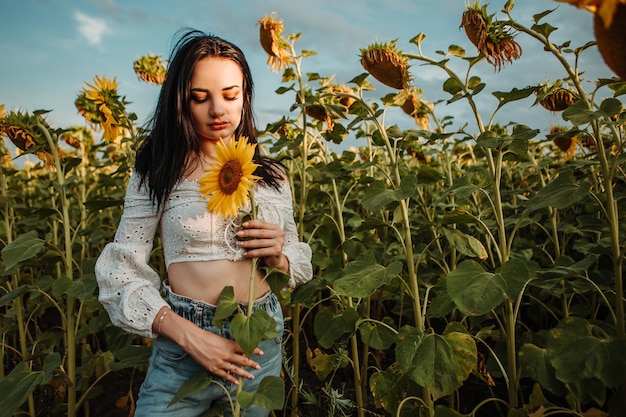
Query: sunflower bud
{"type": "Point", "coordinates": [273, 42]}
{"type": "Point", "coordinates": [385, 63]}
{"type": "Point", "coordinates": [489, 37]}
{"type": "Point", "coordinates": [150, 69]}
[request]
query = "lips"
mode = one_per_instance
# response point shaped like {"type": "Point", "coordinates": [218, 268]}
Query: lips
{"type": "Point", "coordinates": [218, 125]}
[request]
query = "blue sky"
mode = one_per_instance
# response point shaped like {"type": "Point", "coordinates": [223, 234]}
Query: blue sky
{"type": "Point", "coordinates": [49, 48]}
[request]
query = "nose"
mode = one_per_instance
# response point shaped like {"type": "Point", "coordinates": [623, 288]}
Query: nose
{"type": "Point", "coordinates": [217, 109]}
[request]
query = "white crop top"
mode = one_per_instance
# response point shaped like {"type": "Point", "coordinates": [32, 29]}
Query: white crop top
{"type": "Point", "coordinates": [129, 289]}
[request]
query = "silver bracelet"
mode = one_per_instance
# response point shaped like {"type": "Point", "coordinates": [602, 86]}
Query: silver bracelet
{"type": "Point", "coordinates": [167, 310]}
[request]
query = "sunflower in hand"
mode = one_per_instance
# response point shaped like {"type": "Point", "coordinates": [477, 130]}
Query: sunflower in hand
{"type": "Point", "coordinates": [228, 181]}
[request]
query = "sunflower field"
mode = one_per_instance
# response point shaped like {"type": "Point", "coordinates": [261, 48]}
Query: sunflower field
{"type": "Point", "coordinates": [459, 270]}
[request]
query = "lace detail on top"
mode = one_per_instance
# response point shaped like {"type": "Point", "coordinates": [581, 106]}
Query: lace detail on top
{"type": "Point", "coordinates": [193, 233]}
{"type": "Point", "coordinates": [129, 288]}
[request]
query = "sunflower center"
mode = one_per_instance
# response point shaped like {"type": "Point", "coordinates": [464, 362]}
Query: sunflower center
{"type": "Point", "coordinates": [230, 176]}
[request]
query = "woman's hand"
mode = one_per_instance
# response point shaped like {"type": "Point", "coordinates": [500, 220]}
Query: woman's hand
{"type": "Point", "coordinates": [220, 356]}
{"type": "Point", "coordinates": [264, 240]}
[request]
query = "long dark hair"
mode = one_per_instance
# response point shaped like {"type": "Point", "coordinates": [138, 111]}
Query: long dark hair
{"type": "Point", "coordinates": [162, 156]}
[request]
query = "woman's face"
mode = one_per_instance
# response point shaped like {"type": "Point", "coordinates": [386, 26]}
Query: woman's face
{"type": "Point", "coordinates": [216, 98]}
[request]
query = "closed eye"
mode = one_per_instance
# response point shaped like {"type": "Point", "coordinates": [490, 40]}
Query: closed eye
{"type": "Point", "coordinates": [199, 96]}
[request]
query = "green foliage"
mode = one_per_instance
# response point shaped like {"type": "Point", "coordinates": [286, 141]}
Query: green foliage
{"type": "Point", "coordinates": [473, 290]}
{"type": "Point", "coordinates": [270, 395]}
{"type": "Point", "coordinates": [445, 256]}
{"type": "Point", "coordinates": [16, 386]}
{"type": "Point", "coordinates": [438, 362]}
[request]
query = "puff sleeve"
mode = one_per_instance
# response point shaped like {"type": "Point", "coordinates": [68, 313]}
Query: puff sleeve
{"type": "Point", "coordinates": [129, 289]}
{"type": "Point", "coordinates": [278, 209]}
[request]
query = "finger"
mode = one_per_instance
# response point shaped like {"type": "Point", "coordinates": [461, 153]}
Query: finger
{"type": "Point", "coordinates": [259, 233]}
{"type": "Point", "coordinates": [265, 254]}
{"type": "Point", "coordinates": [230, 377]}
{"type": "Point", "coordinates": [258, 224]}
{"type": "Point", "coordinates": [250, 363]}
{"type": "Point", "coordinates": [239, 371]}
{"type": "Point", "coordinates": [261, 243]}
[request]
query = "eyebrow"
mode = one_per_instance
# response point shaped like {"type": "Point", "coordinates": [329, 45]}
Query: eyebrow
{"type": "Point", "coordinates": [204, 90]}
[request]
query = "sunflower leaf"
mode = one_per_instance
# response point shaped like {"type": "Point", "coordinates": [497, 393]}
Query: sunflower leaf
{"type": "Point", "coordinates": [250, 330]}
{"type": "Point", "coordinates": [474, 290]}
{"type": "Point", "coordinates": [270, 394]}
{"type": "Point", "coordinates": [21, 249]}
{"type": "Point", "coordinates": [226, 306]}
{"type": "Point", "coordinates": [561, 193]}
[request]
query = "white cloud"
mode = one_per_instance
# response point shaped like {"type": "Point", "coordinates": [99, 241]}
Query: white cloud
{"type": "Point", "coordinates": [90, 28]}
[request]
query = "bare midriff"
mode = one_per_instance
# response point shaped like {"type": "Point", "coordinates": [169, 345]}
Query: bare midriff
{"type": "Point", "coordinates": [205, 280]}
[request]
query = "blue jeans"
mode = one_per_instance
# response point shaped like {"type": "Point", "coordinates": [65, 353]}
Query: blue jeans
{"type": "Point", "coordinates": [170, 366]}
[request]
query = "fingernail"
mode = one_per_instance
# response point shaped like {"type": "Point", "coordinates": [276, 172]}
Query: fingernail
{"type": "Point", "coordinates": [251, 377]}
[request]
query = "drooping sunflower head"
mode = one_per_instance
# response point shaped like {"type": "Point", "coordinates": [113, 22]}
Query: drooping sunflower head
{"type": "Point", "coordinates": [565, 140]}
{"type": "Point", "coordinates": [344, 93]}
{"type": "Point", "coordinates": [23, 129]}
{"type": "Point", "coordinates": [474, 22]}
{"type": "Point", "coordinates": [609, 24]}
{"type": "Point", "coordinates": [5, 154]}
{"type": "Point", "coordinates": [609, 33]}
{"type": "Point", "coordinates": [229, 180]}
{"type": "Point", "coordinates": [555, 98]}
{"type": "Point", "coordinates": [319, 108]}
{"type": "Point", "coordinates": [78, 137]}
{"type": "Point", "coordinates": [386, 64]}
{"type": "Point", "coordinates": [150, 68]}
{"type": "Point", "coordinates": [415, 106]}
{"type": "Point", "coordinates": [102, 106]}
{"type": "Point", "coordinates": [273, 42]}
{"type": "Point", "coordinates": [605, 9]}
{"type": "Point", "coordinates": [489, 36]}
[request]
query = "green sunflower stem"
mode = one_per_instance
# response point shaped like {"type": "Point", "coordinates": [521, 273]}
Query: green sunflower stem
{"type": "Point", "coordinates": [296, 308]}
{"type": "Point", "coordinates": [253, 215]}
{"type": "Point", "coordinates": [70, 319]}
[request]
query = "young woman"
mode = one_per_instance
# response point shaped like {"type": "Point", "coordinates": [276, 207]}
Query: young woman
{"type": "Point", "coordinates": [206, 96]}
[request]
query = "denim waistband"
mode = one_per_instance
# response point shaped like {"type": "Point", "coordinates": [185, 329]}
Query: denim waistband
{"type": "Point", "coordinates": [201, 313]}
